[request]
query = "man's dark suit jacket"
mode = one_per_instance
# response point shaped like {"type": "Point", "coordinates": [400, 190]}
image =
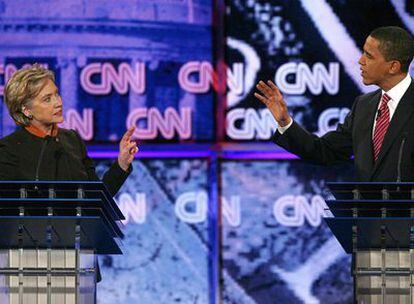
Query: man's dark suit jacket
{"type": "Point", "coordinates": [354, 137]}
{"type": "Point", "coordinates": [64, 158]}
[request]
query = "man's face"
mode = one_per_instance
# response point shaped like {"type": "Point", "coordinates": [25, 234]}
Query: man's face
{"type": "Point", "coordinates": [374, 67]}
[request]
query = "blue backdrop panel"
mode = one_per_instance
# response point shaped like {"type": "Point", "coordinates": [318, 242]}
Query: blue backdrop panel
{"type": "Point", "coordinates": [150, 64]}
{"type": "Point", "coordinates": [165, 247]}
{"type": "Point", "coordinates": [275, 246]}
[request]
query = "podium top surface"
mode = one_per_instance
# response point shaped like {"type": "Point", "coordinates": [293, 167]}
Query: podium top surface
{"type": "Point", "coordinates": [349, 186]}
{"type": "Point", "coordinates": [59, 185]}
{"type": "Point", "coordinates": [62, 189]}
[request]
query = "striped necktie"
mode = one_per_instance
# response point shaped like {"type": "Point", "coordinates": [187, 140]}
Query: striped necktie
{"type": "Point", "coordinates": [381, 126]}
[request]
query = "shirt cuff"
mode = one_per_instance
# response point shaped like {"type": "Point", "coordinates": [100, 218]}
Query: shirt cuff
{"type": "Point", "coordinates": [282, 130]}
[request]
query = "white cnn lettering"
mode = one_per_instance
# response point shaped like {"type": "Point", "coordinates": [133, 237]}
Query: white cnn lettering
{"type": "Point", "coordinates": [167, 125]}
{"type": "Point", "coordinates": [250, 124]}
{"type": "Point", "coordinates": [329, 119]}
{"type": "Point", "coordinates": [135, 211]}
{"type": "Point", "coordinates": [235, 79]}
{"type": "Point", "coordinates": [121, 80]}
{"type": "Point", "coordinates": [191, 207]}
{"type": "Point", "coordinates": [82, 124]}
{"type": "Point", "coordinates": [291, 211]}
{"type": "Point", "coordinates": [193, 77]}
{"type": "Point", "coordinates": [199, 76]}
{"type": "Point", "coordinates": [231, 210]}
{"type": "Point", "coordinates": [302, 78]}
{"type": "Point", "coordinates": [313, 211]}
{"type": "Point", "coordinates": [286, 212]}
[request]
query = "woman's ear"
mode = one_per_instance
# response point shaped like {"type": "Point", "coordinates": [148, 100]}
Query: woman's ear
{"type": "Point", "coordinates": [27, 112]}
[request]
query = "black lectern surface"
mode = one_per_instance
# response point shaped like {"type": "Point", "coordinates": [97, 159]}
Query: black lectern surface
{"type": "Point", "coordinates": [375, 222]}
{"type": "Point", "coordinates": [94, 233]}
{"type": "Point", "coordinates": [33, 206]}
{"type": "Point", "coordinates": [51, 233]}
{"type": "Point", "coordinates": [382, 213]}
{"type": "Point", "coordinates": [397, 232]}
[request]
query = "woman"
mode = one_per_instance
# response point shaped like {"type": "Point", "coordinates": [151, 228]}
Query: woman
{"type": "Point", "coordinates": [39, 150]}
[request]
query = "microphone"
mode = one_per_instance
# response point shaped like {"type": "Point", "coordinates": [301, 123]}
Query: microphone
{"type": "Point", "coordinates": [46, 140]}
{"type": "Point", "coordinates": [59, 150]}
{"type": "Point", "coordinates": [400, 154]}
{"type": "Point", "coordinates": [58, 154]}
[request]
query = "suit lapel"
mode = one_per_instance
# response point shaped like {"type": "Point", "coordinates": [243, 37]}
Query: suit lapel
{"type": "Point", "coordinates": [370, 109]}
{"type": "Point", "coordinates": [399, 119]}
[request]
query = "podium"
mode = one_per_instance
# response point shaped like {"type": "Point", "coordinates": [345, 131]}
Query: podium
{"type": "Point", "coordinates": [51, 234]}
{"type": "Point", "coordinates": [375, 223]}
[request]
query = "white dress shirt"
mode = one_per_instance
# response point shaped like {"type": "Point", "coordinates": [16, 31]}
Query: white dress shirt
{"type": "Point", "coordinates": [396, 93]}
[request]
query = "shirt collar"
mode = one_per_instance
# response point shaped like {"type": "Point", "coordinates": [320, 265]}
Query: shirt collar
{"type": "Point", "coordinates": [398, 91]}
{"type": "Point", "coordinates": [40, 133]}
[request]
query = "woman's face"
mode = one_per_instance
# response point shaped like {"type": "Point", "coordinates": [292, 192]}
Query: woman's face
{"type": "Point", "coordinates": [46, 107]}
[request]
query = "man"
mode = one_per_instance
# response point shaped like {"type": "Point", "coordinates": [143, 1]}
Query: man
{"type": "Point", "coordinates": [378, 131]}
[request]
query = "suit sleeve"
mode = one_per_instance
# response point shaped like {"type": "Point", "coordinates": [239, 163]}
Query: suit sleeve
{"type": "Point", "coordinates": [332, 148]}
{"type": "Point", "coordinates": [8, 163]}
{"type": "Point", "coordinates": [113, 178]}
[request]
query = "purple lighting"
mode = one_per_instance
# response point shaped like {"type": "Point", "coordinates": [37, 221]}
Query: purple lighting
{"type": "Point", "coordinates": [197, 151]}
{"type": "Point", "coordinates": [155, 154]}
{"type": "Point", "coordinates": [258, 155]}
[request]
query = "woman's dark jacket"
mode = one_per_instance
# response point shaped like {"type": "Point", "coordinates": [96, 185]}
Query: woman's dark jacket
{"type": "Point", "coordinates": [64, 157]}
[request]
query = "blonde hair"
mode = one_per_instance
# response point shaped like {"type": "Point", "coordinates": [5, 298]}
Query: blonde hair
{"type": "Point", "coordinates": [22, 87]}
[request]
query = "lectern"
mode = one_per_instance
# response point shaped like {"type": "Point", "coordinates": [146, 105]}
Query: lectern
{"type": "Point", "coordinates": [375, 222]}
{"type": "Point", "coordinates": [51, 233]}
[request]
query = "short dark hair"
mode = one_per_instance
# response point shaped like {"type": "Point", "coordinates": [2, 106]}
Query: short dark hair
{"type": "Point", "coordinates": [395, 43]}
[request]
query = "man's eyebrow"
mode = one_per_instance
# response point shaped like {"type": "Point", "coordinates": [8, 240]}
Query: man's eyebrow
{"type": "Point", "coordinates": [368, 53]}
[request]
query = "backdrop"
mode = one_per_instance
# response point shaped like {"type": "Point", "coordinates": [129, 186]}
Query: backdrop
{"type": "Point", "coordinates": [213, 211]}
